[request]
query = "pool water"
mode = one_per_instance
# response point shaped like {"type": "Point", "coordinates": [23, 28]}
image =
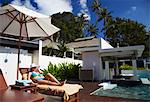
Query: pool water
{"type": "Point", "coordinates": [141, 92]}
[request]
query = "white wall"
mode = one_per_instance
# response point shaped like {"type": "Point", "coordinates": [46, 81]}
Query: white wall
{"type": "Point", "coordinates": [9, 68]}
{"type": "Point", "coordinates": [105, 44]}
{"type": "Point", "coordinates": [91, 60]}
{"type": "Point", "coordinates": [45, 60]}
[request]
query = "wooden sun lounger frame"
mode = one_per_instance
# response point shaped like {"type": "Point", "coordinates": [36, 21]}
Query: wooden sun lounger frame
{"type": "Point", "coordinates": [7, 95]}
{"type": "Point", "coordinates": [72, 98]}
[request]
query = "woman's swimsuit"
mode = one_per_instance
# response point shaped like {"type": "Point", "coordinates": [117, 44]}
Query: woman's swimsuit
{"type": "Point", "coordinates": [35, 74]}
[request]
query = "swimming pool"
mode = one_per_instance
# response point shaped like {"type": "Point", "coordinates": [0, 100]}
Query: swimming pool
{"type": "Point", "coordinates": [141, 92]}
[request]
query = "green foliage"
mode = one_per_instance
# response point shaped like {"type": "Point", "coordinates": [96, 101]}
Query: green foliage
{"type": "Point", "coordinates": [63, 71]}
{"type": "Point", "coordinates": [49, 51]}
{"type": "Point", "coordinates": [60, 52]}
{"type": "Point", "coordinates": [140, 68]}
{"type": "Point", "coordinates": [92, 29]}
{"type": "Point", "coordinates": [126, 32]}
{"type": "Point", "coordinates": [102, 16]}
{"type": "Point", "coordinates": [71, 26]}
{"type": "Point", "coordinates": [126, 67]}
{"type": "Point", "coordinates": [62, 49]}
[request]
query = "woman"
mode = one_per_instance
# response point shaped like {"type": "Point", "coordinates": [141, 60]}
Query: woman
{"type": "Point", "coordinates": [48, 79]}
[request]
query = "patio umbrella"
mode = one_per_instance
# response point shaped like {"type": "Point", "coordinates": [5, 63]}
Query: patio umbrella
{"type": "Point", "coordinates": [23, 23]}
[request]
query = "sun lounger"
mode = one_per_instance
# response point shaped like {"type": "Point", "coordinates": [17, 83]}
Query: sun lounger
{"type": "Point", "coordinates": [8, 95]}
{"type": "Point", "coordinates": [69, 92]}
{"type": "Point", "coordinates": [67, 89]}
{"type": "Point", "coordinates": [145, 81]}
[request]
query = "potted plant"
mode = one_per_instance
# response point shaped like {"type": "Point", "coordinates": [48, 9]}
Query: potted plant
{"type": "Point", "coordinates": [126, 69]}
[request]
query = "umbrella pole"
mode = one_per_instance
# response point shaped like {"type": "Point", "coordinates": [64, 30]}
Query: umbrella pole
{"type": "Point", "coordinates": [18, 61]}
{"type": "Point", "coordinates": [19, 45]}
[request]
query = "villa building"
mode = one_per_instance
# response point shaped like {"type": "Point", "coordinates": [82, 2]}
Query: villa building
{"type": "Point", "coordinates": [101, 57]}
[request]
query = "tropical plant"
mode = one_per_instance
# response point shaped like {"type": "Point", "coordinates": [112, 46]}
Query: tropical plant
{"type": "Point", "coordinates": [126, 32]}
{"type": "Point", "coordinates": [95, 5]}
{"type": "Point", "coordinates": [71, 26]}
{"type": "Point", "coordinates": [92, 29]}
{"type": "Point", "coordinates": [140, 68]}
{"type": "Point", "coordinates": [62, 49]}
{"type": "Point", "coordinates": [102, 15]}
{"type": "Point", "coordinates": [48, 51]}
{"type": "Point", "coordinates": [126, 67]}
{"type": "Point", "coordinates": [54, 70]}
{"type": "Point", "coordinates": [63, 71]}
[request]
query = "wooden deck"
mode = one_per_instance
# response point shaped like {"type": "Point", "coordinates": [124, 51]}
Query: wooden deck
{"type": "Point", "coordinates": [91, 86]}
{"type": "Point", "coordinates": [84, 95]}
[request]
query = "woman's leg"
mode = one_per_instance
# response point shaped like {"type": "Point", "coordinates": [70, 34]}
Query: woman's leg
{"type": "Point", "coordinates": [50, 77]}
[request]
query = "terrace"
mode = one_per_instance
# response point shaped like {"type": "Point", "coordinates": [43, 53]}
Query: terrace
{"type": "Point", "coordinates": [97, 55]}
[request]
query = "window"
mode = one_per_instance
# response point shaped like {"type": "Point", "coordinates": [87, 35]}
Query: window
{"type": "Point", "coordinates": [128, 63]}
{"type": "Point", "coordinates": [140, 64]}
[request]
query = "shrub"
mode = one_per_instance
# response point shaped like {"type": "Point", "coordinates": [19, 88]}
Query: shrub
{"type": "Point", "coordinates": [140, 68]}
{"type": "Point", "coordinates": [126, 67]}
{"type": "Point", "coordinates": [63, 71]}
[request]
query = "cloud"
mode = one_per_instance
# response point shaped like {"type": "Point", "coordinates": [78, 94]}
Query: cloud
{"type": "Point", "coordinates": [50, 7]}
{"type": "Point", "coordinates": [84, 9]}
{"type": "Point", "coordinates": [26, 3]}
{"type": "Point", "coordinates": [133, 8]}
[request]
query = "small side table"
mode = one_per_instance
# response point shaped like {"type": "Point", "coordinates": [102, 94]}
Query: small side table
{"type": "Point", "coordinates": [32, 88]}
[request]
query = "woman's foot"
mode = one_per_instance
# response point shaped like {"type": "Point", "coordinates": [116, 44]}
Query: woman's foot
{"type": "Point", "coordinates": [62, 83]}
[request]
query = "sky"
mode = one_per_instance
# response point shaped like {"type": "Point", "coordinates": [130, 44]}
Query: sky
{"type": "Point", "coordinates": [138, 10]}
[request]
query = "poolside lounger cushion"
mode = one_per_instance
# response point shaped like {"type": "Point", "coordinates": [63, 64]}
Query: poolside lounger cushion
{"type": "Point", "coordinates": [68, 89]}
{"type": "Point", "coordinates": [145, 81]}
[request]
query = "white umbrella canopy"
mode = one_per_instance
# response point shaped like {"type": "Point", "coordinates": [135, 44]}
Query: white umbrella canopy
{"type": "Point", "coordinates": [24, 23]}
{"type": "Point", "coordinates": [18, 19]}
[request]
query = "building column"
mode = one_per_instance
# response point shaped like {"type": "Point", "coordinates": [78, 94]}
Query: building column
{"type": "Point", "coordinates": [73, 55]}
{"type": "Point", "coordinates": [134, 64]}
{"type": "Point", "coordinates": [36, 56]}
{"type": "Point", "coordinates": [107, 72]}
{"type": "Point", "coordinates": [117, 67]}
{"type": "Point", "coordinates": [144, 61]}
{"type": "Point", "coordinates": [40, 51]}
{"type": "Point", "coordinates": [100, 69]}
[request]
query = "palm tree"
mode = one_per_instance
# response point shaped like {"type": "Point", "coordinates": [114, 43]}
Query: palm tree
{"type": "Point", "coordinates": [63, 49]}
{"type": "Point", "coordinates": [82, 21]}
{"type": "Point", "coordinates": [92, 29]}
{"type": "Point", "coordinates": [105, 14]}
{"type": "Point", "coordinates": [96, 6]}
{"type": "Point", "coordinates": [102, 14]}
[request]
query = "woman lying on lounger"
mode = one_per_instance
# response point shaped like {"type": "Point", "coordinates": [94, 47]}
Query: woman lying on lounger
{"type": "Point", "coordinates": [48, 79]}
